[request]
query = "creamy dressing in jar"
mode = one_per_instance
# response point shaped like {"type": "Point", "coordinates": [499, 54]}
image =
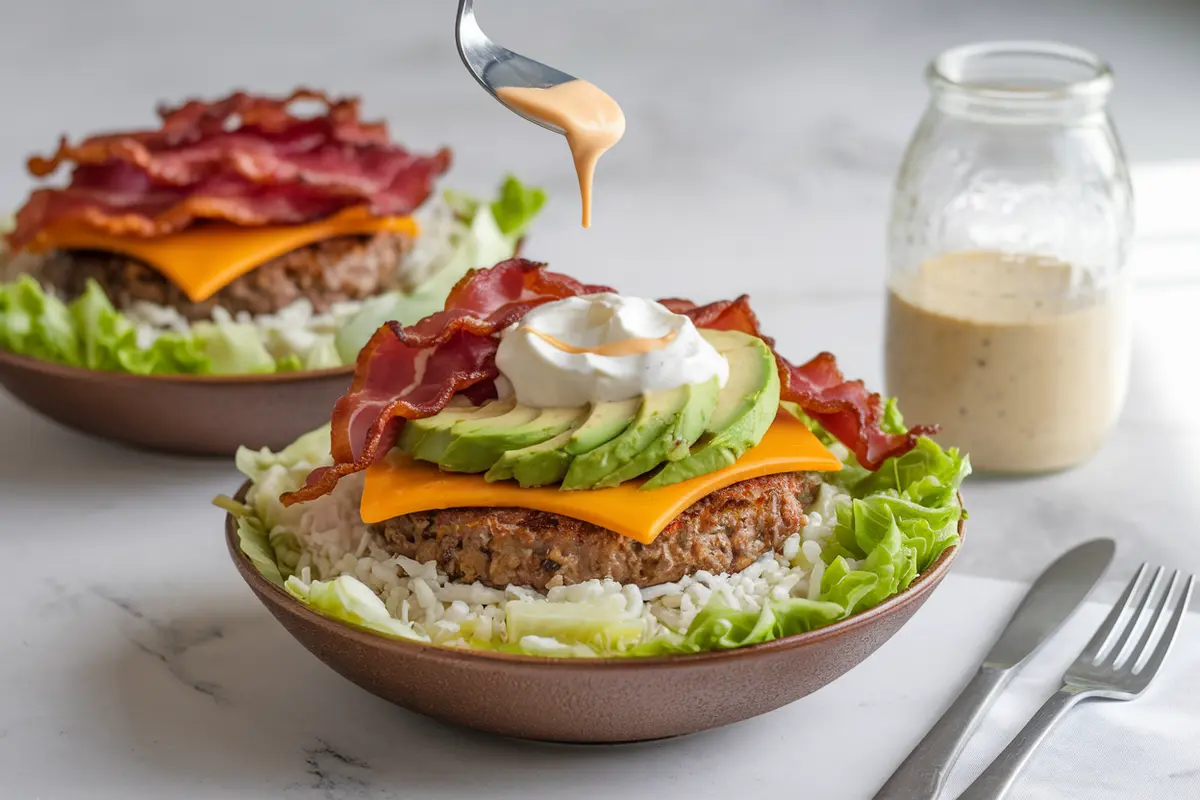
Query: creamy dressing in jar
{"type": "Point", "coordinates": [1022, 360]}
{"type": "Point", "coordinates": [1008, 311]}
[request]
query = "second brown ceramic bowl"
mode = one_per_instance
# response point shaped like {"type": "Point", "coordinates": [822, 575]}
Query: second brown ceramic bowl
{"type": "Point", "coordinates": [185, 414]}
{"type": "Point", "coordinates": [590, 700]}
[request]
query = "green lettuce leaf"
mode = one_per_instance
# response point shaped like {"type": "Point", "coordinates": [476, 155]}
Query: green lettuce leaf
{"type": "Point", "coordinates": [718, 627]}
{"type": "Point", "coordinates": [491, 236]}
{"type": "Point", "coordinates": [233, 348]}
{"type": "Point", "coordinates": [89, 332]}
{"type": "Point", "coordinates": [253, 541]}
{"type": "Point", "coordinates": [323, 355]}
{"type": "Point", "coordinates": [516, 206]}
{"type": "Point", "coordinates": [900, 519]}
{"type": "Point", "coordinates": [35, 324]}
{"type": "Point", "coordinates": [289, 363]}
{"type": "Point", "coordinates": [349, 600]}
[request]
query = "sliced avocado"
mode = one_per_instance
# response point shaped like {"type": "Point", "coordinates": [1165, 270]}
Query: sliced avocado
{"type": "Point", "coordinates": [658, 414]}
{"type": "Point", "coordinates": [675, 440]}
{"type": "Point", "coordinates": [724, 341]}
{"type": "Point", "coordinates": [475, 445]}
{"type": "Point", "coordinates": [745, 409]}
{"type": "Point", "coordinates": [604, 422]}
{"type": "Point", "coordinates": [537, 465]}
{"type": "Point", "coordinates": [546, 463]}
{"type": "Point", "coordinates": [436, 429]}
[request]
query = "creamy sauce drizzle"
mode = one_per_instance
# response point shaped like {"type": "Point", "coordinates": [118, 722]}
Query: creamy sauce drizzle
{"type": "Point", "coordinates": [625, 347]}
{"type": "Point", "coordinates": [592, 121]}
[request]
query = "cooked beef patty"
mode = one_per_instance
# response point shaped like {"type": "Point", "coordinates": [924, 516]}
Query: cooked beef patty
{"type": "Point", "coordinates": [723, 532]}
{"type": "Point", "coordinates": [326, 272]}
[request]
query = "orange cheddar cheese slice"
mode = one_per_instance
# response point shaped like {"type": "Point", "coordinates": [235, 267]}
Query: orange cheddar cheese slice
{"type": "Point", "coordinates": [203, 260]}
{"type": "Point", "coordinates": [399, 485]}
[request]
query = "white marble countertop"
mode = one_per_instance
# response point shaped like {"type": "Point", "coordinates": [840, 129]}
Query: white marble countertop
{"type": "Point", "coordinates": [767, 169]}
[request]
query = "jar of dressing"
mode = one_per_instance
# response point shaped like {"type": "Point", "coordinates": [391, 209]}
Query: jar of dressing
{"type": "Point", "coordinates": [1008, 320]}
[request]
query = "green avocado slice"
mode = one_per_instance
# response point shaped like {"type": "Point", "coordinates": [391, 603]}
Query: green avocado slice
{"type": "Point", "coordinates": [746, 406]}
{"type": "Point", "coordinates": [476, 445]}
{"type": "Point", "coordinates": [426, 438]}
{"type": "Point", "coordinates": [537, 465]}
{"type": "Point", "coordinates": [604, 422]}
{"type": "Point", "coordinates": [546, 463]}
{"type": "Point", "coordinates": [675, 441]}
{"type": "Point", "coordinates": [657, 415]}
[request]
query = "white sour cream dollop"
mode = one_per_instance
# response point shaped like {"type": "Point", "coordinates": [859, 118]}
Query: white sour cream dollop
{"type": "Point", "coordinates": [636, 346]}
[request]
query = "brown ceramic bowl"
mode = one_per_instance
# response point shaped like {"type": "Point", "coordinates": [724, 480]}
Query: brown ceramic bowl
{"type": "Point", "coordinates": [590, 700]}
{"type": "Point", "coordinates": [186, 414]}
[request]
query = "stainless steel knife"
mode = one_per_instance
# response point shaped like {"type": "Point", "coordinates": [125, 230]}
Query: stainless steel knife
{"type": "Point", "coordinates": [1053, 597]}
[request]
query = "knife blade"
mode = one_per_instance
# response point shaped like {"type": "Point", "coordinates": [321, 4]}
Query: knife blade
{"type": "Point", "coordinates": [1054, 596]}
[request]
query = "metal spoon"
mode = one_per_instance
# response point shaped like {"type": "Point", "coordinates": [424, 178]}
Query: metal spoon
{"type": "Point", "coordinates": [496, 67]}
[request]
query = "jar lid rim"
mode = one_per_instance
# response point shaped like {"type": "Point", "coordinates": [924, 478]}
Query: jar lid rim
{"type": "Point", "coordinates": [949, 71]}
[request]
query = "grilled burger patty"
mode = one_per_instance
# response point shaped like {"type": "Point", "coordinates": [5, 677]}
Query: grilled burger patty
{"type": "Point", "coordinates": [723, 532]}
{"type": "Point", "coordinates": [325, 272]}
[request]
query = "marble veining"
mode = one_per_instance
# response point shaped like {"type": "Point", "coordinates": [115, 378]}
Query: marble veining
{"type": "Point", "coordinates": [336, 774]}
{"type": "Point", "coordinates": [165, 641]}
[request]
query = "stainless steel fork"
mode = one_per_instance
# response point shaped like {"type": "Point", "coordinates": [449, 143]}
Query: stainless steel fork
{"type": "Point", "coordinates": [1113, 666]}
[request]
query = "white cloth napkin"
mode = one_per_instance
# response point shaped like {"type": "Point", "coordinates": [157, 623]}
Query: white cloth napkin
{"type": "Point", "coordinates": [1146, 748]}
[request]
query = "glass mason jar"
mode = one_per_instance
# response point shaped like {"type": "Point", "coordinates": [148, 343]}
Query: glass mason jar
{"type": "Point", "coordinates": [1008, 320]}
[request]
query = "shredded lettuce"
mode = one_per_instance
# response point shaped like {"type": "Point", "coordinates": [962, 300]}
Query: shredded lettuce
{"type": "Point", "coordinates": [603, 625]}
{"type": "Point", "coordinates": [349, 600]}
{"type": "Point", "coordinates": [255, 543]}
{"type": "Point", "coordinates": [276, 473]}
{"type": "Point", "coordinates": [491, 236]}
{"type": "Point", "coordinates": [233, 348]}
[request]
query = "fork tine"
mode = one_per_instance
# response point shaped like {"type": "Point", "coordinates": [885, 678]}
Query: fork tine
{"type": "Point", "coordinates": [1105, 632]}
{"type": "Point", "coordinates": [1168, 636]}
{"type": "Point", "coordinates": [1114, 656]}
{"type": "Point", "coordinates": [1143, 643]}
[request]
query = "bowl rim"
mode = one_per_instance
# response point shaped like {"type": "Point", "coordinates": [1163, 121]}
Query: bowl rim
{"type": "Point", "coordinates": [70, 372]}
{"type": "Point", "coordinates": [402, 647]}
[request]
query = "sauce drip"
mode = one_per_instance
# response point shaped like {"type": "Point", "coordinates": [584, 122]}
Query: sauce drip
{"type": "Point", "coordinates": [625, 347]}
{"type": "Point", "coordinates": [592, 121]}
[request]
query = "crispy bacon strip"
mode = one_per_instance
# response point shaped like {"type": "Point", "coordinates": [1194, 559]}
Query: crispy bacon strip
{"type": "Point", "coordinates": [245, 160]}
{"type": "Point", "coordinates": [410, 373]}
{"type": "Point", "coordinates": [256, 120]}
{"type": "Point", "coordinates": [120, 199]}
{"type": "Point", "coordinates": [123, 202]}
{"type": "Point", "coordinates": [844, 408]}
